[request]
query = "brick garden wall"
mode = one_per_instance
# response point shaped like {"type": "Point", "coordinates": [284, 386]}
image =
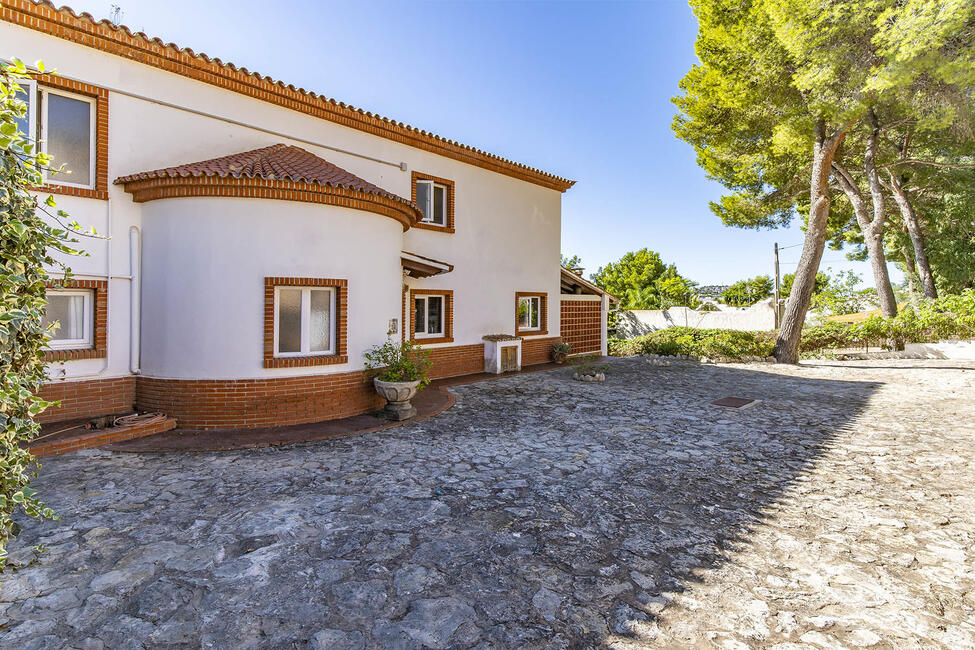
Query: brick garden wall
{"type": "Point", "coordinates": [456, 360]}
{"type": "Point", "coordinates": [582, 324]}
{"type": "Point", "coordinates": [249, 403]}
{"type": "Point", "coordinates": [537, 350]}
{"type": "Point", "coordinates": [81, 399]}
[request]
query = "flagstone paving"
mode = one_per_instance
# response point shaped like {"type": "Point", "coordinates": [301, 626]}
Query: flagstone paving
{"type": "Point", "coordinates": [539, 512]}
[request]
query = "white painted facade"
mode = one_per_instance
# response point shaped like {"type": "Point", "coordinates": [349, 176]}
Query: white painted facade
{"type": "Point", "coordinates": [204, 259]}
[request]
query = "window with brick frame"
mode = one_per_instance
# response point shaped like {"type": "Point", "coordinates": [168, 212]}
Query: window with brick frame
{"type": "Point", "coordinates": [531, 313]}
{"type": "Point", "coordinates": [70, 121]}
{"type": "Point", "coordinates": [304, 322]}
{"type": "Point", "coordinates": [431, 315]}
{"type": "Point", "coordinates": [435, 198]}
{"type": "Point", "coordinates": [80, 307]}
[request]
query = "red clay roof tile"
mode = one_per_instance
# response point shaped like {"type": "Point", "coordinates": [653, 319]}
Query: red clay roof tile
{"type": "Point", "coordinates": [277, 162]}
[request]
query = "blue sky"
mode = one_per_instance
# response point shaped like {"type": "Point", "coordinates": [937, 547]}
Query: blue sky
{"type": "Point", "coordinates": [575, 88]}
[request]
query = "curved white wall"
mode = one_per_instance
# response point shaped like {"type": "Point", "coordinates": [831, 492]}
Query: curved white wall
{"type": "Point", "coordinates": [205, 260]}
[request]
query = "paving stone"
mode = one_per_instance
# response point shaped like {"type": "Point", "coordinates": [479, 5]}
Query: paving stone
{"type": "Point", "coordinates": [539, 512]}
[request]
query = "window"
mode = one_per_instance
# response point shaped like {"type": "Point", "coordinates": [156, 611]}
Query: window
{"type": "Point", "coordinates": [434, 197]}
{"type": "Point", "coordinates": [431, 198]}
{"type": "Point", "coordinates": [529, 310]}
{"type": "Point", "coordinates": [304, 323]}
{"type": "Point", "coordinates": [428, 316]}
{"type": "Point", "coordinates": [64, 124]}
{"type": "Point", "coordinates": [68, 135]}
{"type": "Point", "coordinates": [69, 313]}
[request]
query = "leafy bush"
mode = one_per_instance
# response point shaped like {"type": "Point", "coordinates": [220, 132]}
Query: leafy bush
{"type": "Point", "coordinates": [403, 362]}
{"type": "Point", "coordinates": [930, 320]}
{"type": "Point", "coordinates": [675, 341]}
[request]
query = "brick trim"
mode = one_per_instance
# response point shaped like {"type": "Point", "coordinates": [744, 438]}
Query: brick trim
{"type": "Point", "coordinates": [534, 351]}
{"type": "Point", "coordinates": [120, 41]}
{"type": "Point", "coordinates": [259, 188]}
{"type": "Point", "coordinates": [448, 296]}
{"type": "Point", "coordinates": [341, 325]}
{"type": "Point", "coordinates": [419, 176]}
{"type": "Point", "coordinates": [100, 96]}
{"type": "Point", "coordinates": [99, 306]}
{"type": "Point", "coordinates": [543, 306]}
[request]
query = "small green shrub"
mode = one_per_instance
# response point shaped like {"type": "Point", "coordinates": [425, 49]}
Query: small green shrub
{"type": "Point", "coordinates": [403, 362]}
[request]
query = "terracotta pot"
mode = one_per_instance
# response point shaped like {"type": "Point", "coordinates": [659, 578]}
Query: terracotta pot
{"type": "Point", "coordinates": [397, 395]}
{"type": "Point", "coordinates": [559, 357]}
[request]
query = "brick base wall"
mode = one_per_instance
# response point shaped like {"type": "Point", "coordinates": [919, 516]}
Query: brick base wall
{"type": "Point", "coordinates": [582, 325]}
{"type": "Point", "coordinates": [249, 403]}
{"type": "Point", "coordinates": [537, 350]}
{"type": "Point", "coordinates": [456, 360]}
{"type": "Point", "coordinates": [82, 399]}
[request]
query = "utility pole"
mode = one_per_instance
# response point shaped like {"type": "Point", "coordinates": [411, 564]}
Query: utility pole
{"type": "Point", "coordinates": [776, 285]}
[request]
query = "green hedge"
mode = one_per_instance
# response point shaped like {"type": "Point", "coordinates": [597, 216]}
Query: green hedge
{"type": "Point", "coordinates": [931, 320]}
{"type": "Point", "coordinates": [675, 341]}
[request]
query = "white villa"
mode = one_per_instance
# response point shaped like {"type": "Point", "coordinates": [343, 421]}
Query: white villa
{"type": "Point", "coordinates": [261, 237]}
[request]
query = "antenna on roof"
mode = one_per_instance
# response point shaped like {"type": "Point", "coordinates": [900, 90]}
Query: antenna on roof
{"type": "Point", "coordinates": [115, 14]}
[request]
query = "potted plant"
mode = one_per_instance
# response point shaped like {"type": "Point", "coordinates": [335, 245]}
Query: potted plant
{"type": "Point", "coordinates": [560, 351]}
{"type": "Point", "coordinates": [400, 371]}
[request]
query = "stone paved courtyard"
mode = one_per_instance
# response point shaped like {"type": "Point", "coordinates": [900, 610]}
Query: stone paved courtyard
{"type": "Point", "coordinates": [539, 512]}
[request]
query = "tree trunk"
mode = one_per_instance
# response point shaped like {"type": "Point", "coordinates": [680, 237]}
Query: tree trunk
{"type": "Point", "coordinates": [911, 271]}
{"type": "Point", "coordinates": [875, 240]}
{"type": "Point", "coordinates": [913, 225]}
{"type": "Point", "coordinates": [790, 332]}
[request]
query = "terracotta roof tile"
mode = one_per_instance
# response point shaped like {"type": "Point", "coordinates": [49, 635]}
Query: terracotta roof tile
{"type": "Point", "coordinates": [279, 162]}
{"type": "Point", "coordinates": [86, 29]}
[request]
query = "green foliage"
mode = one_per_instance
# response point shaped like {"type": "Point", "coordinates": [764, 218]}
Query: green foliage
{"type": "Point", "coordinates": [572, 262]}
{"type": "Point", "coordinates": [930, 320]}
{"type": "Point", "coordinates": [588, 366]}
{"type": "Point", "coordinates": [562, 347]}
{"type": "Point", "coordinates": [641, 280]}
{"type": "Point", "coordinates": [26, 246]}
{"type": "Point", "coordinates": [745, 293]}
{"type": "Point", "coordinates": [675, 341]}
{"type": "Point", "coordinates": [843, 295]}
{"type": "Point", "coordinates": [403, 362]}
{"type": "Point", "coordinates": [785, 287]}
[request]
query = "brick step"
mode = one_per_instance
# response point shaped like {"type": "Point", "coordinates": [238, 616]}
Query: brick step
{"type": "Point", "coordinates": [71, 438]}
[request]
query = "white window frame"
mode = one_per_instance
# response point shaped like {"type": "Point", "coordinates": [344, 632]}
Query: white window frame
{"type": "Point", "coordinates": [306, 350]}
{"type": "Point", "coordinates": [532, 301]}
{"type": "Point", "coordinates": [428, 208]}
{"type": "Point", "coordinates": [58, 179]}
{"type": "Point", "coordinates": [425, 297]}
{"type": "Point", "coordinates": [87, 339]}
{"type": "Point", "coordinates": [30, 87]}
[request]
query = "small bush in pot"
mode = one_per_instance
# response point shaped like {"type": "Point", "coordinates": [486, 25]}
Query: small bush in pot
{"type": "Point", "coordinates": [560, 351]}
{"type": "Point", "coordinates": [399, 372]}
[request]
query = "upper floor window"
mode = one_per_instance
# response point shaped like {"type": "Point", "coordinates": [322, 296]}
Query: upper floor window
{"type": "Point", "coordinates": [432, 200]}
{"type": "Point", "coordinates": [69, 313]}
{"type": "Point", "coordinates": [304, 324]}
{"type": "Point", "coordinates": [64, 124]}
{"type": "Point", "coordinates": [435, 198]}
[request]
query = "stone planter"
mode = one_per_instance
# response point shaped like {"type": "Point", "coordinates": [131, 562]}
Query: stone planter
{"type": "Point", "coordinates": [397, 395]}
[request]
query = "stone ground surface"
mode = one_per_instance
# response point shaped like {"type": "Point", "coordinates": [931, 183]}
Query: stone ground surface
{"type": "Point", "coordinates": [539, 512]}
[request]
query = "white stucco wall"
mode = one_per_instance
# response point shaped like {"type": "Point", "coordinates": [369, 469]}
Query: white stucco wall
{"type": "Point", "coordinates": [205, 261]}
{"type": "Point", "coordinates": [507, 235]}
{"type": "Point", "coordinates": [758, 317]}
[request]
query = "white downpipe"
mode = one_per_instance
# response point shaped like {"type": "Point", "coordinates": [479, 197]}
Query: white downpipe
{"type": "Point", "coordinates": [135, 300]}
{"type": "Point", "coordinates": [603, 329]}
{"type": "Point", "coordinates": [108, 300]}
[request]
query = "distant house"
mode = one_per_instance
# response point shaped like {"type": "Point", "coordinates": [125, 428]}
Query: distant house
{"type": "Point", "coordinates": [262, 237]}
